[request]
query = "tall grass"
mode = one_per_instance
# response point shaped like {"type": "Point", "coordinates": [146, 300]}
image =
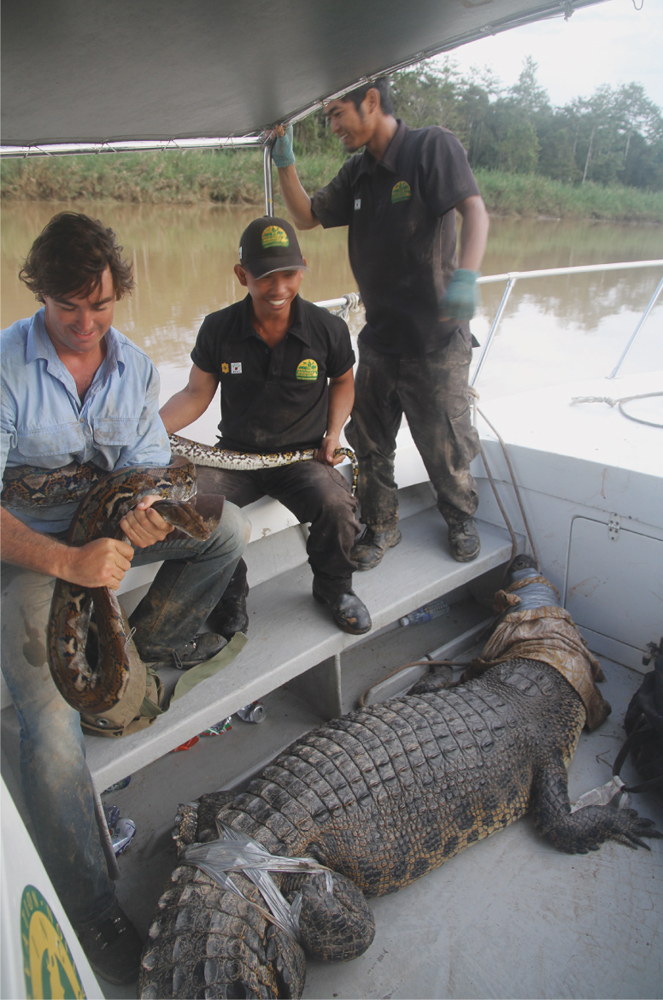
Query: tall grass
{"type": "Point", "coordinates": [531, 195]}
{"type": "Point", "coordinates": [231, 176]}
{"type": "Point", "coordinates": [235, 177]}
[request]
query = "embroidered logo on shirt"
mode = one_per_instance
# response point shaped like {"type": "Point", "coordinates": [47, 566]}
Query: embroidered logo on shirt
{"type": "Point", "coordinates": [236, 368]}
{"type": "Point", "coordinates": [307, 370]}
{"type": "Point", "coordinates": [274, 236]}
{"type": "Point", "coordinates": [357, 204]}
{"type": "Point", "coordinates": [401, 191]}
{"type": "Point", "coordinates": [225, 367]}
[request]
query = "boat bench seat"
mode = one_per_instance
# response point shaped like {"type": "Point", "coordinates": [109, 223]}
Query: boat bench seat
{"type": "Point", "coordinates": [292, 639]}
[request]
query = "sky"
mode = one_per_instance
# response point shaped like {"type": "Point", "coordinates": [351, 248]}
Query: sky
{"type": "Point", "coordinates": [610, 42]}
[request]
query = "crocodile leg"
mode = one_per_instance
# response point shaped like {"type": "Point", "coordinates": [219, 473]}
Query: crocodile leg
{"type": "Point", "coordinates": [586, 829]}
{"type": "Point", "coordinates": [336, 926]}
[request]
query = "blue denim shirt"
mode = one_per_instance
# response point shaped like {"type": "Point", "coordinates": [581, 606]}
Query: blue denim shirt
{"type": "Point", "coordinates": [43, 422]}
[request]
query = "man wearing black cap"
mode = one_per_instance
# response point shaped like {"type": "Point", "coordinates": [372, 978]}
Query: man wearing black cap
{"type": "Point", "coordinates": [399, 198]}
{"type": "Point", "coordinates": [286, 373]}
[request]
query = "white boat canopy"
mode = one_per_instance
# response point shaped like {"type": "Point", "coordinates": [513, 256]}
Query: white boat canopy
{"type": "Point", "coordinates": [159, 71]}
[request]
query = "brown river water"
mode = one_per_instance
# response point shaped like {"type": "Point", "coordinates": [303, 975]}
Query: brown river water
{"type": "Point", "coordinates": [554, 329]}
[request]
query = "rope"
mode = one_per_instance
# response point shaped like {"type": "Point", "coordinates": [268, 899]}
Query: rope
{"type": "Point", "coordinates": [352, 304]}
{"type": "Point", "coordinates": [618, 403]}
{"type": "Point", "coordinates": [514, 541]}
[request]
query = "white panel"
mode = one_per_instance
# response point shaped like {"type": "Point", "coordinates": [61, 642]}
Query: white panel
{"type": "Point", "coordinates": [615, 582]}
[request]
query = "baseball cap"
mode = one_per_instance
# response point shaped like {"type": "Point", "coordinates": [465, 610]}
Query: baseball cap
{"type": "Point", "coordinates": [269, 244]}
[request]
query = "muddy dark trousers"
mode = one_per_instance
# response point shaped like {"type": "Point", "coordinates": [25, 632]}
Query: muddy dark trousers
{"type": "Point", "coordinates": [315, 493]}
{"type": "Point", "coordinates": [432, 391]}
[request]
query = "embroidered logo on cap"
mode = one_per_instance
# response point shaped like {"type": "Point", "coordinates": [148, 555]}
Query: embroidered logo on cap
{"type": "Point", "coordinates": [401, 191]}
{"type": "Point", "coordinates": [274, 236]}
{"type": "Point", "coordinates": [236, 368]}
{"type": "Point", "coordinates": [225, 367]}
{"type": "Point", "coordinates": [307, 370]}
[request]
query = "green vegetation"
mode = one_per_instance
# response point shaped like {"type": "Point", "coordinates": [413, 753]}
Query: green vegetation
{"type": "Point", "coordinates": [613, 137]}
{"type": "Point", "coordinates": [532, 195]}
{"type": "Point", "coordinates": [231, 176]}
{"type": "Point", "coordinates": [235, 178]}
{"type": "Point", "coordinates": [596, 158]}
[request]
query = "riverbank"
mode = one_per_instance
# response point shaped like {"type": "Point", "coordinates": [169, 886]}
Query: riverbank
{"type": "Point", "coordinates": [235, 178]}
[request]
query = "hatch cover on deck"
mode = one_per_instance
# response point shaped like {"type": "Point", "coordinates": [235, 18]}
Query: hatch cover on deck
{"type": "Point", "coordinates": [614, 588]}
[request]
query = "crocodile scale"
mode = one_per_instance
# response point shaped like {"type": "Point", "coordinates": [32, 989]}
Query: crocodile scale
{"type": "Point", "coordinates": [381, 796]}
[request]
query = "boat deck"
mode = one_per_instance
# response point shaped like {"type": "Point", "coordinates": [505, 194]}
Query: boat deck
{"type": "Point", "coordinates": [510, 917]}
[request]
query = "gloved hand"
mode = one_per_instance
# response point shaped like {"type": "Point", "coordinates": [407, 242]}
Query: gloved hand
{"type": "Point", "coordinates": [282, 154]}
{"type": "Point", "coordinates": [460, 299]}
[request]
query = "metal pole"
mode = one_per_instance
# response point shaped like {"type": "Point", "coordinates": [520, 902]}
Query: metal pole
{"type": "Point", "coordinates": [644, 316]}
{"type": "Point", "coordinates": [269, 184]}
{"type": "Point", "coordinates": [498, 316]}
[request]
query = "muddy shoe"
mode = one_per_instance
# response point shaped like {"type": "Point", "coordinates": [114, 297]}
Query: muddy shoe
{"type": "Point", "coordinates": [113, 947]}
{"type": "Point", "coordinates": [230, 616]}
{"type": "Point", "coordinates": [371, 545]}
{"type": "Point", "coordinates": [348, 611]}
{"type": "Point", "coordinates": [464, 541]}
{"type": "Point", "coordinates": [202, 647]}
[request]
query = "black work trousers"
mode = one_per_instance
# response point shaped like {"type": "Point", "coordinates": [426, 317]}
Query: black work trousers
{"type": "Point", "coordinates": [432, 391]}
{"type": "Point", "coordinates": [315, 493]}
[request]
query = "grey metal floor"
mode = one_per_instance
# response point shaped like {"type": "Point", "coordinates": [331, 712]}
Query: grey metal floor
{"type": "Point", "coordinates": [511, 917]}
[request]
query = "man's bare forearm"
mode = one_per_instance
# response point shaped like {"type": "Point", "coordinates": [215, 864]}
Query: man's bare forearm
{"type": "Point", "coordinates": [297, 201]}
{"type": "Point", "coordinates": [473, 234]}
{"type": "Point", "coordinates": [21, 546]}
{"type": "Point", "coordinates": [190, 402]}
{"type": "Point", "coordinates": [180, 411]}
{"type": "Point", "coordinates": [100, 563]}
{"type": "Point", "coordinates": [340, 402]}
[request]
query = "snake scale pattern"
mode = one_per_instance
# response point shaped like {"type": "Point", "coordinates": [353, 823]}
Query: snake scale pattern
{"type": "Point", "coordinates": [26, 487]}
{"type": "Point", "coordinates": [96, 688]}
{"type": "Point", "coordinates": [103, 500]}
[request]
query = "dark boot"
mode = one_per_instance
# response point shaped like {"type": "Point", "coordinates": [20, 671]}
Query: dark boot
{"type": "Point", "coordinates": [230, 614]}
{"type": "Point", "coordinates": [348, 611]}
{"type": "Point", "coordinates": [371, 545]}
{"type": "Point", "coordinates": [113, 947]}
{"type": "Point", "coordinates": [464, 541]}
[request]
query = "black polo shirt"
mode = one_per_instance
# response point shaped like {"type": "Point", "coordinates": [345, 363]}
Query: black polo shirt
{"type": "Point", "coordinates": [402, 238]}
{"type": "Point", "coordinates": [273, 400]}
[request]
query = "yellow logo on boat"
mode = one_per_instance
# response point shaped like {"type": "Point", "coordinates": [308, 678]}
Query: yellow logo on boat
{"type": "Point", "coordinates": [225, 367]}
{"type": "Point", "coordinates": [48, 967]}
{"type": "Point", "coordinates": [401, 192]}
{"type": "Point", "coordinates": [274, 236]}
{"type": "Point", "coordinates": [307, 370]}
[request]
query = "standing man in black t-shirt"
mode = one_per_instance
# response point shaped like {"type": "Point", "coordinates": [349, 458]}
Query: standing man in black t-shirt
{"type": "Point", "coordinates": [399, 199]}
{"type": "Point", "coordinates": [286, 373]}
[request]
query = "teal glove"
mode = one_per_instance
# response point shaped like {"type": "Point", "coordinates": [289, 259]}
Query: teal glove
{"type": "Point", "coordinates": [460, 298]}
{"type": "Point", "coordinates": [282, 154]}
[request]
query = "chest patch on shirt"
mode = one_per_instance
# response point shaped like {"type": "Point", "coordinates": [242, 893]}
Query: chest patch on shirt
{"type": "Point", "coordinates": [225, 367]}
{"type": "Point", "coordinates": [357, 204]}
{"type": "Point", "coordinates": [235, 367]}
{"type": "Point", "coordinates": [307, 370]}
{"type": "Point", "coordinates": [401, 191]}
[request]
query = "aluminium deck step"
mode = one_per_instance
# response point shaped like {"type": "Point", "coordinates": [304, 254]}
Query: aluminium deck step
{"type": "Point", "coordinates": [293, 639]}
{"type": "Point", "coordinates": [290, 634]}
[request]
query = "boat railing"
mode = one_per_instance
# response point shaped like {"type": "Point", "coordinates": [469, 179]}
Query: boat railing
{"type": "Point", "coordinates": [512, 277]}
{"type": "Point", "coordinates": [345, 302]}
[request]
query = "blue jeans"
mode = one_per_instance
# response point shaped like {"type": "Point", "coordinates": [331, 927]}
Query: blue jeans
{"type": "Point", "coordinates": [55, 780]}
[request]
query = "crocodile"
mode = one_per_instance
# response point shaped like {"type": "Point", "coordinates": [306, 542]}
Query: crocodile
{"type": "Point", "coordinates": [380, 796]}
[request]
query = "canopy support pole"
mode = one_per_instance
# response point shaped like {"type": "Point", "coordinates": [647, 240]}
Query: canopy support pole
{"type": "Point", "coordinates": [269, 184]}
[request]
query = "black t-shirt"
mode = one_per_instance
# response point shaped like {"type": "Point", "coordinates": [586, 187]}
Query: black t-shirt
{"type": "Point", "coordinates": [402, 238]}
{"type": "Point", "coordinates": [273, 400]}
